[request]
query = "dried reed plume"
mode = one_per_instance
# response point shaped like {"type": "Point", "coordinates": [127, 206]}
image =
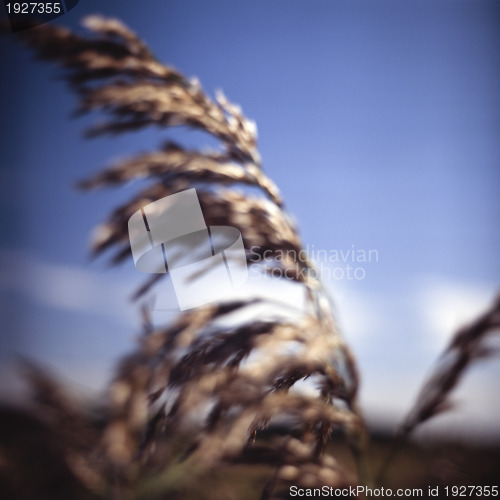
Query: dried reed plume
{"type": "Point", "coordinates": [466, 346]}
{"type": "Point", "coordinates": [201, 390]}
{"type": "Point", "coordinates": [223, 386]}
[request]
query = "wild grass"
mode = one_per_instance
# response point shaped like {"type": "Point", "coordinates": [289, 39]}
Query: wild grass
{"type": "Point", "coordinates": [199, 402]}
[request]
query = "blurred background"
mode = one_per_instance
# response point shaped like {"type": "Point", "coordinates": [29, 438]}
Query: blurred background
{"type": "Point", "coordinates": [379, 121]}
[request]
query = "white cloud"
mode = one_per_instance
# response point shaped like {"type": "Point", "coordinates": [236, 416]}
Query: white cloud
{"type": "Point", "coordinates": [359, 312]}
{"type": "Point", "coordinates": [65, 287]}
{"type": "Point", "coordinates": [383, 328]}
{"type": "Point", "coordinates": [445, 305]}
{"type": "Point", "coordinates": [397, 336]}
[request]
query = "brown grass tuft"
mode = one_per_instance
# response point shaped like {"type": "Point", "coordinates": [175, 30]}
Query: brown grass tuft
{"type": "Point", "coordinates": [217, 386]}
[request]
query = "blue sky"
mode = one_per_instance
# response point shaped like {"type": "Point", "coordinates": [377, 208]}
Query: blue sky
{"type": "Point", "coordinates": [378, 120]}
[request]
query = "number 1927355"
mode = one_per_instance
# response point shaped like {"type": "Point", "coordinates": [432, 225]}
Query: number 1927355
{"type": "Point", "coordinates": [468, 491]}
{"type": "Point", "coordinates": [34, 8]}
